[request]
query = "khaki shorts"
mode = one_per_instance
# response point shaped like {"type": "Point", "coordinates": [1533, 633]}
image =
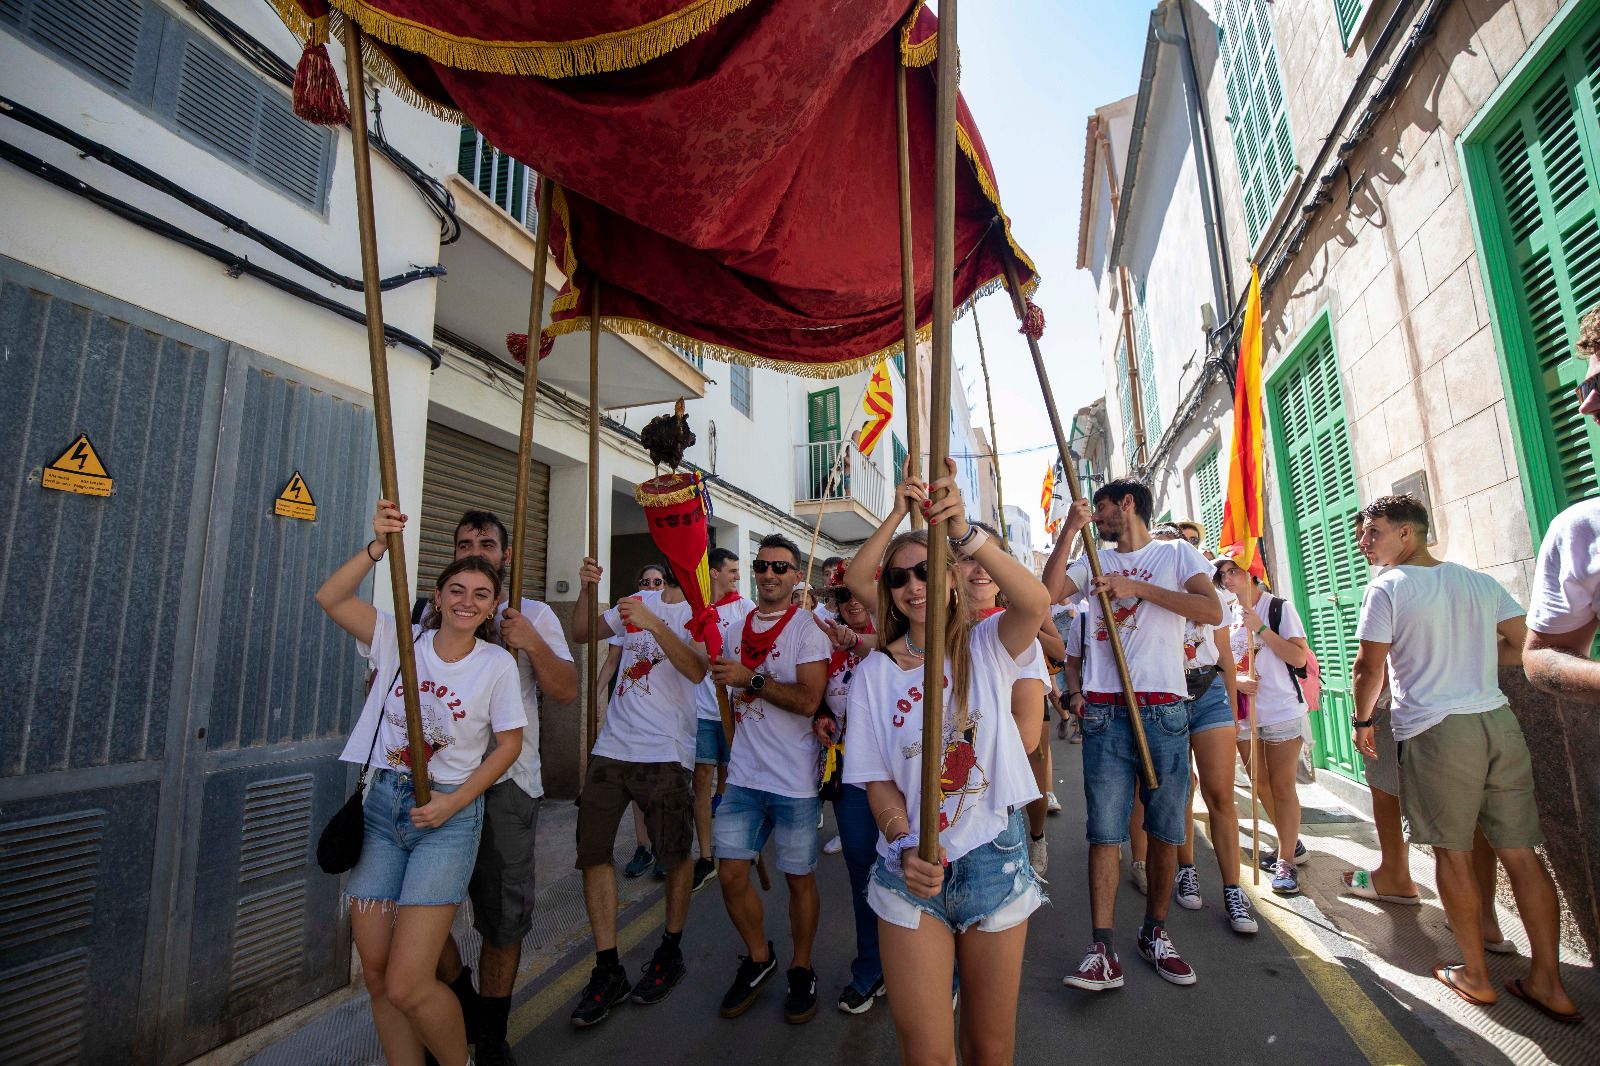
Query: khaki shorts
{"type": "Point", "coordinates": [665, 794]}
{"type": "Point", "coordinates": [1383, 773]}
{"type": "Point", "coordinates": [1470, 770]}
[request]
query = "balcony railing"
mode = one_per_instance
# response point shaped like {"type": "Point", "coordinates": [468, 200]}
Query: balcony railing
{"type": "Point", "coordinates": [504, 180]}
{"type": "Point", "coordinates": [834, 470]}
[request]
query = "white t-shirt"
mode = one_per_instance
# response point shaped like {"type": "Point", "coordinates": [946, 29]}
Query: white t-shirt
{"type": "Point", "coordinates": [651, 714]}
{"type": "Point", "coordinates": [773, 749]}
{"type": "Point", "coordinates": [1440, 624]}
{"type": "Point", "coordinates": [1566, 579]}
{"type": "Point", "coordinates": [463, 705]}
{"type": "Point", "coordinates": [1152, 637]}
{"type": "Point", "coordinates": [526, 771]}
{"type": "Point", "coordinates": [985, 775]}
{"type": "Point", "coordinates": [705, 697]}
{"type": "Point", "coordinates": [1276, 698]}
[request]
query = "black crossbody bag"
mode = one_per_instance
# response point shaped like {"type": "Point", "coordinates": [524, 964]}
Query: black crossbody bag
{"type": "Point", "coordinates": [339, 846]}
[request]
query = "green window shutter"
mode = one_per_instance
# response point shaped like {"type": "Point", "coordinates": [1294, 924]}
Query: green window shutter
{"type": "Point", "coordinates": [900, 365]}
{"type": "Point", "coordinates": [1147, 373]}
{"type": "Point", "coordinates": [900, 456]}
{"type": "Point", "coordinates": [1208, 477]}
{"type": "Point", "coordinates": [1543, 164]}
{"type": "Point", "coordinates": [1319, 493]}
{"type": "Point", "coordinates": [1125, 392]}
{"type": "Point", "coordinates": [1348, 14]}
{"type": "Point", "coordinates": [1262, 143]}
{"type": "Point", "coordinates": [822, 430]}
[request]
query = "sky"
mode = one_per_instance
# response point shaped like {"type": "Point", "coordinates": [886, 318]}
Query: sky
{"type": "Point", "coordinates": [1032, 71]}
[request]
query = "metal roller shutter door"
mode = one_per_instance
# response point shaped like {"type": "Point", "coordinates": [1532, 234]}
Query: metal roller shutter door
{"type": "Point", "coordinates": [462, 473]}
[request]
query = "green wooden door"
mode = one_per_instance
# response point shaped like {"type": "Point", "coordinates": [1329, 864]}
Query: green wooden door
{"type": "Point", "coordinates": [822, 431]}
{"type": "Point", "coordinates": [1317, 483]}
{"type": "Point", "coordinates": [1544, 186]}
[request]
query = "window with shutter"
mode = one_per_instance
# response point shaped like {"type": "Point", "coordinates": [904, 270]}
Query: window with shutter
{"type": "Point", "coordinates": [1540, 220]}
{"type": "Point", "coordinates": [900, 456]}
{"type": "Point", "coordinates": [900, 365]}
{"type": "Point", "coordinates": [739, 388]}
{"type": "Point", "coordinates": [822, 431]}
{"type": "Point", "coordinates": [102, 37]}
{"type": "Point", "coordinates": [1208, 482]}
{"type": "Point", "coordinates": [1130, 446]}
{"type": "Point", "coordinates": [1147, 373]}
{"type": "Point", "coordinates": [1257, 112]}
{"type": "Point", "coordinates": [1350, 14]}
{"type": "Point", "coordinates": [1317, 483]}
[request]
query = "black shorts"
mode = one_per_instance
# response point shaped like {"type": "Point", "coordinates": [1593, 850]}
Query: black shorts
{"type": "Point", "coordinates": [664, 792]}
{"type": "Point", "coordinates": [501, 888]}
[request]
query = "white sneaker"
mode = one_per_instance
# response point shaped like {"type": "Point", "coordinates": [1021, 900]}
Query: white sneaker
{"type": "Point", "coordinates": [833, 847]}
{"type": "Point", "coordinates": [1051, 804]}
{"type": "Point", "coordinates": [1186, 886]}
{"type": "Point", "coordinates": [1038, 855]}
{"type": "Point", "coordinates": [1140, 880]}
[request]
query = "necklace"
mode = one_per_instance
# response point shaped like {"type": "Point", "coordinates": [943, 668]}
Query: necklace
{"type": "Point", "coordinates": [446, 659]}
{"type": "Point", "coordinates": [912, 647]}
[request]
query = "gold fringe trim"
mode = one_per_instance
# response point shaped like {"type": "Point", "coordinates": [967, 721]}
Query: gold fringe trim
{"type": "Point", "coordinates": [921, 53]}
{"type": "Point", "coordinates": [986, 183]}
{"type": "Point", "coordinates": [600, 54]}
{"type": "Point", "coordinates": [568, 300]}
{"type": "Point", "coordinates": [667, 499]}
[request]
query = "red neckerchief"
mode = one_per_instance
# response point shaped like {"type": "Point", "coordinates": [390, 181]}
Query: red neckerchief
{"type": "Point", "coordinates": [732, 597]}
{"type": "Point", "coordinates": [754, 647]}
{"type": "Point", "coordinates": [987, 611]}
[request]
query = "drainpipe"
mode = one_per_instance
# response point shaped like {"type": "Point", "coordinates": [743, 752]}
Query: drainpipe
{"type": "Point", "coordinates": [1127, 305]}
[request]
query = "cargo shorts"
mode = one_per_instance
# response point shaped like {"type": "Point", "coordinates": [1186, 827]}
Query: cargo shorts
{"type": "Point", "coordinates": [1467, 771]}
{"type": "Point", "coordinates": [664, 792]}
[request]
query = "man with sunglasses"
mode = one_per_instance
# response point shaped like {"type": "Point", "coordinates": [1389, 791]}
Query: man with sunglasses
{"type": "Point", "coordinates": [711, 744]}
{"type": "Point", "coordinates": [776, 671]}
{"type": "Point", "coordinates": [1563, 614]}
{"type": "Point", "coordinates": [1154, 587]}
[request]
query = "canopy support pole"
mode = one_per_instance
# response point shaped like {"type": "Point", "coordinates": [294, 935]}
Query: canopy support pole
{"type": "Point", "coordinates": [1147, 767]}
{"type": "Point", "coordinates": [944, 263]}
{"type": "Point", "coordinates": [908, 291]}
{"type": "Point", "coordinates": [530, 393]}
{"type": "Point", "coordinates": [591, 665]}
{"type": "Point", "coordinates": [994, 441]}
{"type": "Point", "coordinates": [382, 415]}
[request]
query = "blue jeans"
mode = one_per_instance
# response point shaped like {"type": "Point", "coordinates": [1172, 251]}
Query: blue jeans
{"type": "Point", "coordinates": [991, 888]}
{"type": "Point", "coordinates": [1211, 709]}
{"type": "Point", "coordinates": [1111, 771]}
{"type": "Point", "coordinates": [405, 865]}
{"type": "Point", "coordinates": [858, 835]}
{"type": "Point", "coordinates": [748, 816]}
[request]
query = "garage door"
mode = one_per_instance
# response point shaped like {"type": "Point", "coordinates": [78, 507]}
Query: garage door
{"type": "Point", "coordinates": [462, 473]}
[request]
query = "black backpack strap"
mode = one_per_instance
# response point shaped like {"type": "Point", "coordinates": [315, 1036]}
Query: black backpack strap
{"type": "Point", "coordinates": [1275, 623]}
{"type": "Point", "coordinates": [419, 609]}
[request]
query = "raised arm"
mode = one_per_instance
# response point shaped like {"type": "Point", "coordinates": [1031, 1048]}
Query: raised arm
{"type": "Point", "coordinates": [588, 586]}
{"type": "Point", "coordinates": [861, 576]}
{"type": "Point", "coordinates": [1055, 577]}
{"type": "Point", "coordinates": [340, 595]}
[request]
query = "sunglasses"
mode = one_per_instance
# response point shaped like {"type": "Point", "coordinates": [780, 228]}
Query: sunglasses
{"type": "Point", "coordinates": [777, 566]}
{"type": "Point", "coordinates": [897, 576]}
{"type": "Point", "coordinates": [1587, 388]}
{"type": "Point", "coordinates": [842, 597]}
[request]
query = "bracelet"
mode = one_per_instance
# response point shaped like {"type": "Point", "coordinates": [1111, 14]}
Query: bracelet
{"type": "Point", "coordinates": [891, 810]}
{"type": "Point", "coordinates": [368, 549]}
{"type": "Point", "coordinates": [972, 531]}
{"type": "Point", "coordinates": [1262, 630]}
{"type": "Point", "coordinates": [1361, 723]}
{"type": "Point", "coordinates": [855, 640]}
{"type": "Point", "coordinates": [972, 543]}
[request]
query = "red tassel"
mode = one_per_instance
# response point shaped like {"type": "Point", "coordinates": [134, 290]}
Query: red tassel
{"type": "Point", "coordinates": [517, 345]}
{"type": "Point", "coordinates": [1032, 321]}
{"type": "Point", "coordinates": [318, 96]}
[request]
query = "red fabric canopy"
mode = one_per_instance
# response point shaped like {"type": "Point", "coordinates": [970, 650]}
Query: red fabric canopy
{"type": "Point", "coordinates": [736, 195]}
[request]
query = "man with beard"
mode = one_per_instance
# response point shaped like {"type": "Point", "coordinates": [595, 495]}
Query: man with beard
{"type": "Point", "coordinates": [776, 670]}
{"type": "Point", "coordinates": [1154, 587]}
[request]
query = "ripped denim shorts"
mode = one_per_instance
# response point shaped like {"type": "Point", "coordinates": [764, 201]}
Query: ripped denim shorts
{"type": "Point", "coordinates": [403, 865]}
{"type": "Point", "coordinates": [991, 888]}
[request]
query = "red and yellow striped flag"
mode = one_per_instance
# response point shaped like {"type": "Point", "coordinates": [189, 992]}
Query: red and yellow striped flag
{"type": "Point", "coordinates": [1244, 513]}
{"type": "Point", "coordinates": [879, 405]}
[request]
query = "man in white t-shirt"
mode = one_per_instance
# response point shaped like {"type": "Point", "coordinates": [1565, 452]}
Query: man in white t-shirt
{"type": "Point", "coordinates": [711, 744]}
{"type": "Point", "coordinates": [502, 882]}
{"type": "Point", "coordinates": [643, 755]}
{"type": "Point", "coordinates": [775, 672]}
{"type": "Point", "coordinates": [1155, 586]}
{"type": "Point", "coordinates": [1442, 630]}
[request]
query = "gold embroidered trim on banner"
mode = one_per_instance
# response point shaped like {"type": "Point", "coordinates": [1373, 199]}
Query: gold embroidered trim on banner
{"type": "Point", "coordinates": [665, 499]}
{"type": "Point", "coordinates": [923, 52]}
{"type": "Point", "coordinates": [568, 300]}
{"type": "Point", "coordinates": [986, 183]}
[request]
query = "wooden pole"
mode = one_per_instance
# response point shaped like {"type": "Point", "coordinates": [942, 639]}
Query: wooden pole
{"type": "Point", "coordinates": [1255, 753]}
{"type": "Point", "coordinates": [382, 416]}
{"type": "Point", "coordinates": [591, 698]}
{"type": "Point", "coordinates": [944, 264]}
{"type": "Point", "coordinates": [1147, 766]}
{"type": "Point", "coordinates": [908, 292]}
{"type": "Point", "coordinates": [530, 392]}
{"type": "Point", "coordinates": [994, 443]}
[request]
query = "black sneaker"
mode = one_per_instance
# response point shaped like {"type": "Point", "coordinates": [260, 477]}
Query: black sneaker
{"type": "Point", "coordinates": [800, 1005]}
{"type": "Point", "coordinates": [608, 986]}
{"type": "Point", "coordinates": [643, 859]}
{"type": "Point", "coordinates": [1270, 858]}
{"type": "Point", "coordinates": [491, 1052]}
{"type": "Point", "coordinates": [704, 871]}
{"type": "Point", "coordinates": [661, 976]}
{"type": "Point", "coordinates": [751, 976]}
{"type": "Point", "coordinates": [852, 1001]}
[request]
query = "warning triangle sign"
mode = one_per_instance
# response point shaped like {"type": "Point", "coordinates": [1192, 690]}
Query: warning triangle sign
{"type": "Point", "coordinates": [296, 501]}
{"type": "Point", "coordinates": [78, 469]}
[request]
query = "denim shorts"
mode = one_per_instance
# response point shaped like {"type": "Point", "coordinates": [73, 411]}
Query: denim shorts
{"type": "Point", "coordinates": [407, 866]}
{"type": "Point", "coordinates": [747, 816]}
{"type": "Point", "coordinates": [1273, 734]}
{"type": "Point", "coordinates": [710, 743]}
{"type": "Point", "coordinates": [990, 888]}
{"type": "Point", "coordinates": [1211, 709]}
{"type": "Point", "coordinates": [1111, 771]}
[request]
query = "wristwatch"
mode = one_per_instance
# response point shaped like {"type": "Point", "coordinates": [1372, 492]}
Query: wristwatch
{"type": "Point", "coordinates": [756, 683]}
{"type": "Point", "coordinates": [1361, 723]}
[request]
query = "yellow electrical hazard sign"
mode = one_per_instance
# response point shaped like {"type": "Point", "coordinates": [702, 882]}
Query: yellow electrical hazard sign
{"type": "Point", "coordinates": [78, 469]}
{"type": "Point", "coordinates": [295, 501]}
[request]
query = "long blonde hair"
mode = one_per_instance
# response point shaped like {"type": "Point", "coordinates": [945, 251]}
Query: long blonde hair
{"type": "Point", "coordinates": [892, 625]}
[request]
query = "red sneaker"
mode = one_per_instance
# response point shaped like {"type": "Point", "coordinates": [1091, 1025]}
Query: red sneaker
{"type": "Point", "coordinates": [1159, 952]}
{"type": "Point", "coordinates": [1098, 971]}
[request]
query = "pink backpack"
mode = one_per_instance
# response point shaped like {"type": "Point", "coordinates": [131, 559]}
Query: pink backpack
{"type": "Point", "coordinates": [1308, 679]}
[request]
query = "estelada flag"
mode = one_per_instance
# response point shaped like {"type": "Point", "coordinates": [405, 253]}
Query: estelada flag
{"type": "Point", "coordinates": [676, 507]}
{"type": "Point", "coordinates": [878, 402]}
{"type": "Point", "coordinates": [1244, 513]}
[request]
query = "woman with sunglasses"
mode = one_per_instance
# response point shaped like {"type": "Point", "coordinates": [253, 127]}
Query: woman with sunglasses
{"type": "Point", "coordinates": [973, 906]}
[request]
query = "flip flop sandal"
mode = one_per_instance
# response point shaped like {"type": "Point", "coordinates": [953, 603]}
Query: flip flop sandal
{"type": "Point", "coordinates": [1503, 947]}
{"type": "Point", "coordinates": [1514, 986]}
{"type": "Point", "coordinates": [1358, 883]}
{"type": "Point", "coordinates": [1447, 977]}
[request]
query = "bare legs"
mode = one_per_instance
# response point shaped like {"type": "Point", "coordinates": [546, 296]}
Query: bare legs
{"type": "Point", "coordinates": [703, 773]}
{"type": "Point", "coordinates": [1214, 758]}
{"type": "Point", "coordinates": [918, 965]}
{"type": "Point", "coordinates": [744, 909]}
{"type": "Point", "coordinates": [411, 1008]}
